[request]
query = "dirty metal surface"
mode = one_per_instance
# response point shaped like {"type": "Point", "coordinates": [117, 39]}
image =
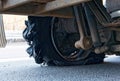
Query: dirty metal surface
{"type": "Point", "coordinates": [34, 7]}
{"type": "Point", "coordinates": [57, 4]}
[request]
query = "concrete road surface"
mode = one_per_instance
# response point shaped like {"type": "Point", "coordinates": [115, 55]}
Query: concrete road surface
{"type": "Point", "coordinates": [16, 66]}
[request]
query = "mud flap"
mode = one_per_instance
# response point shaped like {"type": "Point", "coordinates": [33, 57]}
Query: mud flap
{"type": "Point", "coordinates": [3, 40]}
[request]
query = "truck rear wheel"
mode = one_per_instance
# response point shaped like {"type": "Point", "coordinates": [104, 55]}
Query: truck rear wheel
{"type": "Point", "coordinates": [53, 44]}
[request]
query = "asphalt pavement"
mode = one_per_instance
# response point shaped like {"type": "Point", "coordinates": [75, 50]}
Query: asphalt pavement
{"type": "Point", "coordinates": [15, 65]}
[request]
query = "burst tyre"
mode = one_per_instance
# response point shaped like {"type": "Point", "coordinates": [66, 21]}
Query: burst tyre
{"type": "Point", "coordinates": [52, 41]}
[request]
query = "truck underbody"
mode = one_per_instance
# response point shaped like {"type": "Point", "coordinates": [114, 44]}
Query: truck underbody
{"type": "Point", "coordinates": [59, 8]}
{"type": "Point", "coordinates": [68, 32]}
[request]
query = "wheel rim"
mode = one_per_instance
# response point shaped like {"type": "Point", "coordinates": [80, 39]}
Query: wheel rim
{"type": "Point", "coordinates": [64, 42]}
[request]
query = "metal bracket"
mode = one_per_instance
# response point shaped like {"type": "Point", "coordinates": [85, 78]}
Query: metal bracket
{"type": "Point", "coordinates": [85, 41]}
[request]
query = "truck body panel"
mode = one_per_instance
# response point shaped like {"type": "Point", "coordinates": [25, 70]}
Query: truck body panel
{"type": "Point", "coordinates": [59, 8]}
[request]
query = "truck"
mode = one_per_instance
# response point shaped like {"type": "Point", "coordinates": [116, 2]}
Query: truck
{"type": "Point", "coordinates": [67, 32]}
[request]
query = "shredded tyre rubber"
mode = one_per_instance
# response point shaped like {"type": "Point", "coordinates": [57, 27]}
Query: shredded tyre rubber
{"type": "Point", "coordinates": [51, 41]}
